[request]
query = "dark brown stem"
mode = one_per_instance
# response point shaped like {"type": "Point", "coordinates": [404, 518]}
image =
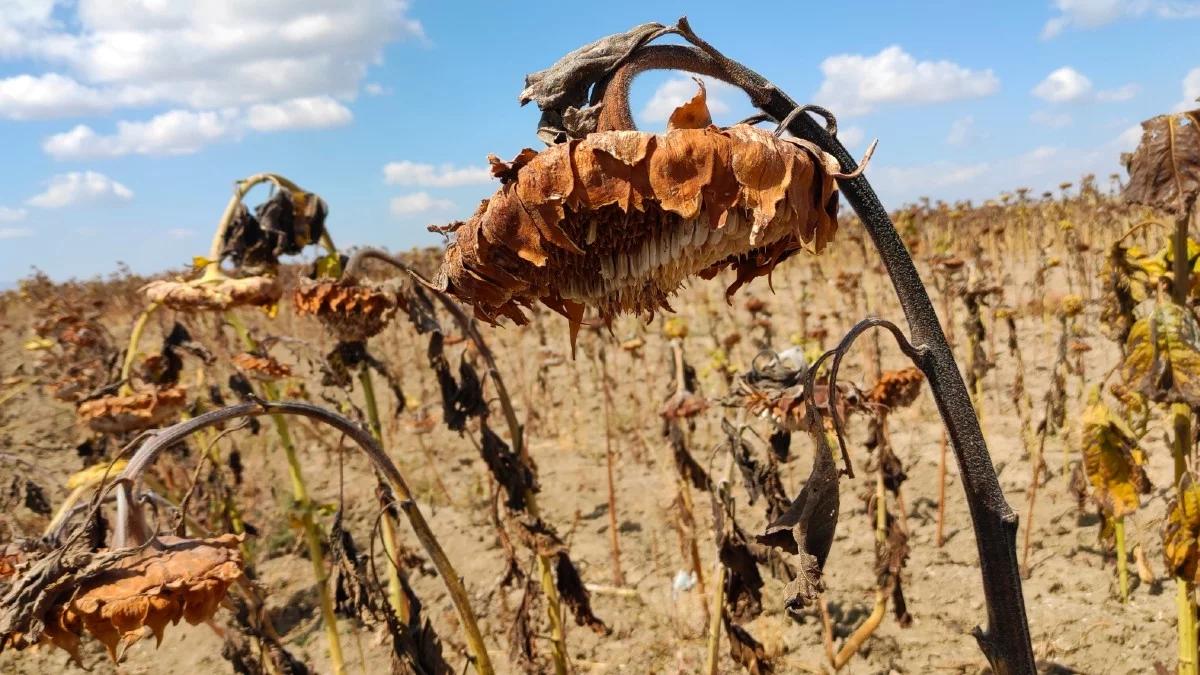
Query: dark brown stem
{"type": "Point", "coordinates": [1006, 642]}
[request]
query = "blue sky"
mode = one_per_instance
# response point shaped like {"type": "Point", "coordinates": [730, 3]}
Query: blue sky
{"type": "Point", "coordinates": [124, 123]}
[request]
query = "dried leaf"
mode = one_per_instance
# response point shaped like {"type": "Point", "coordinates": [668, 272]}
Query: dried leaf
{"type": "Point", "coordinates": [1164, 170]}
{"type": "Point", "coordinates": [1162, 356]}
{"type": "Point", "coordinates": [1181, 547]}
{"type": "Point", "coordinates": [1112, 460]}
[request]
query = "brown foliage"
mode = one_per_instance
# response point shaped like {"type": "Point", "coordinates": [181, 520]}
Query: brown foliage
{"type": "Point", "coordinates": [222, 294]}
{"type": "Point", "coordinates": [353, 313]}
{"type": "Point", "coordinates": [1164, 170]}
{"type": "Point", "coordinates": [619, 219]}
{"type": "Point", "coordinates": [261, 367]}
{"type": "Point", "coordinates": [142, 410]}
{"type": "Point", "coordinates": [897, 388]}
{"type": "Point", "coordinates": [122, 592]}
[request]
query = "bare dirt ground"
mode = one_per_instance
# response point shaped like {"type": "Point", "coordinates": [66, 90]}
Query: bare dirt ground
{"type": "Point", "coordinates": [1076, 617]}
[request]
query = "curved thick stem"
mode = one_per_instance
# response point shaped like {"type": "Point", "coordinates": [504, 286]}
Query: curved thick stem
{"type": "Point", "coordinates": [149, 451]}
{"type": "Point", "coordinates": [1006, 642]}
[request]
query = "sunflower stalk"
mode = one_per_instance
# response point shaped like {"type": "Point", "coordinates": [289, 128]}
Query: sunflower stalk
{"type": "Point", "coordinates": [396, 596]}
{"type": "Point", "coordinates": [303, 504]}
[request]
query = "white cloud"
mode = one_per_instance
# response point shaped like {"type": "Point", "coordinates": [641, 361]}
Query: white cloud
{"type": "Point", "coordinates": [15, 232]}
{"type": "Point", "coordinates": [906, 183]}
{"type": "Point", "coordinates": [1054, 120]}
{"type": "Point", "coordinates": [1089, 14]}
{"type": "Point", "coordinates": [210, 54]}
{"type": "Point", "coordinates": [679, 90]}
{"type": "Point", "coordinates": [180, 132]}
{"type": "Point", "coordinates": [11, 215]}
{"type": "Point", "coordinates": [1191, 90]}
{"type": "Point", "coordinates": [79, 187]}
{"type": "Point", "coordinates": [1064, 85]}
{"type": "Point", "coordinates": [314, 112]}
{"type": "Point", "coordinates": [1129, 139]}
{"type": "Point", "coordinates": [374, 89]}
{"type": "Point", "coordinates": [176, 132]}
{"type": "Point", "coordinates": [180, 233]}
{"type": "Point", "coordinates": [1067, 85]}
{"type": "Point", "coordinates": [855, 84]}
{"type": "Point", "coordinates": [428, 175]}
{"type": "Point", "coordinates": [851, 137]}
{"type": "Point", "coordinates": [24, 97]}
{"type": "Point", "coordinates": [962, 131]}
{"type": "Point", "coordinates": [418, 202]}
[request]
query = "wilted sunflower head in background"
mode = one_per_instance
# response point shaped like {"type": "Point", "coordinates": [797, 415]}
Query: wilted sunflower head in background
{"type": "Point", "coordinates": [124, 592]}
{"type": "Point", "coordinates": [618, 220]}
{"type": "Point", "coordinates": [120, 413]}
{"type": "Point", "coordinates": [352, 312]}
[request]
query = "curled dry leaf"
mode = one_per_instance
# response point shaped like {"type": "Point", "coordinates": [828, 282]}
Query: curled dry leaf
{"type": "Point", "coordinates": [1162, 356]}
{"type": "Point", "coordinates": [133, 412]}
{"type": "Point", "coordinates": [619, 220]}
{"type": "Point", "coordinates": [1164, 170]}
{"type": "Point", "coordinates": [897, 388]}
{"type": "Point", "coordinates": [261, 367]}
{"type": "Point", "coordinates": [352, 312]}
{"type": "Point", "coordinates": [1181, 536]}
{"type": "Point", "coordinates": [1112, 460]}
{"type": "Point", "coordinates": [119, 594]}
{"type": "Point", "coordinates": [216, 295]}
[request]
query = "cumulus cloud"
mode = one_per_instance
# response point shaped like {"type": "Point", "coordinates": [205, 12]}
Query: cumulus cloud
{"type": "Point", "coordinates": [855, 84]}
{"type": "Point", "coordinates": [279, 66]}
{"type": "Point", "coordinates": [418, 202]}
{"type": "Point", "coordinates": [1064, 85]}
{"type": "Point", "coordinates": [79, 187]}
{"type": "Point", "coordinates": [1191, 90]}
{"type": "Point", "coordinates": [181, 132]}
{"type": "Point", "coordinates": [1089, 14]}
{"type": "Point", "coordinates": [210, 54]}
{"type": "Point", "coordinates": [679, 90]}
{"type": "Point", "coordinates": [851, 137]}
{"type": "Point", "coordinates": [427, 175]}
{"type": "Point", "coordinates": [1067, 85]}
{"type": "Point", "coordinates": [314, 112]}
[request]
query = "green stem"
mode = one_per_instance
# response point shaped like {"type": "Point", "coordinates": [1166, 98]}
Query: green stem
{"type": "Point", "coordinates": [1122, 570]}
{"type": "Point", "coordinates": [312, 535]}
{"type": "Point", "coordinates": [395, 589]}
{"type": "Point", "coordinates": [135, 337]}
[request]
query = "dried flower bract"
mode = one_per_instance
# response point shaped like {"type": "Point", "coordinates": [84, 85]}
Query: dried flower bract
{"type": "Point", "coordinates": [353, 313]}
{"type": "Point", "coordinates": [619, 219]}
{"type": "Point", "coordinates": [221, 294]}
{"type": "Point", "coordinates": [132, 412]}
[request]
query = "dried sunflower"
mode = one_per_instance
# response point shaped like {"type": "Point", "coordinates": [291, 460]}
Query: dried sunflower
{"type": "Point", "coordinates": [897, 388]}
{"type": "Point", "coordinates": [141, 410]}
{"type": "Point", "coordinates": [261, 367]}
{"type": "Point", "coordinates": [352, 312]}
{"type": "Point", "coordinates": [618, 220]}
{"type": "Point", "coordinates": [118, 596]}
{"type": "Point", "coordinates": [219, 293]}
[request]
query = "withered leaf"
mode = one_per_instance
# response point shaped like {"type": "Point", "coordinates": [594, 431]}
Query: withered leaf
{"type": "Point", "coordinates": [1164, 170]}
{"type": "Point", "coordinates": [1162, 356]}
{"type": "Point", "coordinates": [1112, 460]}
